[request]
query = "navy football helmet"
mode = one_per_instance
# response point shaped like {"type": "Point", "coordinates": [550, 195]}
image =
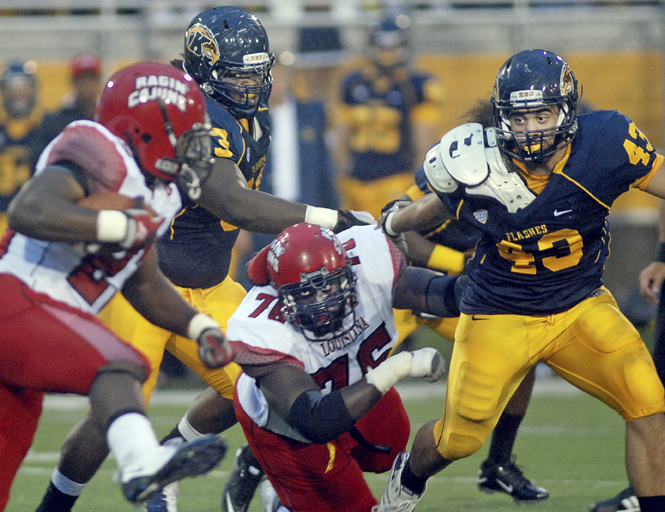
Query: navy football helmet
{"type": "Point", "coordinates": [18, 88]}
{"type": "Point", "coordinates": [390, 41]}
{"type": "Point", "coordinates": [317, 288]}
{"type": "Point", "coordinates": [535, 79]}
{"type": "Point", "coordinates": [228, 54]}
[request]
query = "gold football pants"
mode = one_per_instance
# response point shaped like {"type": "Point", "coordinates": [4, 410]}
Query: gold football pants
{"type": "Point", "coordinates": [593, 346]}
{"type": "Point", "coordinates": [220, 302]}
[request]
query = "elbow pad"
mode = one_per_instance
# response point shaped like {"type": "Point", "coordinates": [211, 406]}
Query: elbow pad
{"type": "Point", "coordinates": [444, 294]}
{"type": "Point", "coordinates": [320, 418]}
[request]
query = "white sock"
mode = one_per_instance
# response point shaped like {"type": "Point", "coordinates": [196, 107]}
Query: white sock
{"type": "Point", "coordinates": [187, 431]}
{"type": "Point", "coordinates": [130, 436]}
{"type": "Point", "coordinates": [65, 485]}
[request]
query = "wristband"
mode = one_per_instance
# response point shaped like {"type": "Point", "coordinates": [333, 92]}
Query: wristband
{"type": "Point", "coordinates": [446, 259]}
{"type": "Point", "coordinates": [111, 226]}
{"type": "Point", "coordinates": [198, 324]}
{"type": "Point", "coordinates": [321, 216]}
{"type": "Point", "coordinates": [390, 372]}
{"type": "Point", "coordinates": [388, 224]}
{"type": "Point", "coordinates": [661, 252]}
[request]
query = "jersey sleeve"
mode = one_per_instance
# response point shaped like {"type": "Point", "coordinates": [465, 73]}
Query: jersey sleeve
{"type": "Point", "coordinates": [91, 151]}
{"type": "Point", "coordinates": [263, 341]}
{"type": "Point", "coordinates": [622, 158]}
{"type": "Point", "coordinates": [226, 137]}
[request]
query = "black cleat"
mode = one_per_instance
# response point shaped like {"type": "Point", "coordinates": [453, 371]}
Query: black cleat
{"type": "Point", "coordinates": [624, 501]}
{"type": "Point", "coordinates": [244, 478]}
{"type": "Point", "coordinates": [509, 479]}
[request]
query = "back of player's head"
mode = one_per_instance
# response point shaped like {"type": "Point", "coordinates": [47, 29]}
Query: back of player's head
{"type": "Point", "coordinates": [535, 79]}
{"type": "Point", "coordinates": [228, 53]}
{"type": "Point", "coordinates": [18, 87]}
{"type": "Point", "coordinates": [160, 112]}
{"type": "Point", "coordinates": [308, 266]}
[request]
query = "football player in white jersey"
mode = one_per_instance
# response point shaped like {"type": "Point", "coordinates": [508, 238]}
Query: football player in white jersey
{"type": "Point", "coordinates": [61, 262]}
{"type": "Point", "coordinates": [316, 400]}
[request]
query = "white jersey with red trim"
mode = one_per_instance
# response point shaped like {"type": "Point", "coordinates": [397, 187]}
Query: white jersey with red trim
{"type": "Point", "coordinates": [68, 272]}
{"type": "Point", "coordinates": [264, 341]}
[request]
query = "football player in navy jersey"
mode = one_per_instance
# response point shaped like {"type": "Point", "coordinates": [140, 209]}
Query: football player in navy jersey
{"type": "Point", "coordinates": [227, 53]}
{"type": "Point", "coordinates": [539, 186]}
{"type": "Point", "coordinates": [389, 114]}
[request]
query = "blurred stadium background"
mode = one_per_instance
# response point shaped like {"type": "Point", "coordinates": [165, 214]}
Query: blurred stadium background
{"type": "Point", "coordinates": [616, 49]}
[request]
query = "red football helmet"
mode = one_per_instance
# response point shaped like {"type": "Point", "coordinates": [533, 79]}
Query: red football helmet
{"type": "Point", "coordinates": [160, 112]}
{"type": "Point", "coordinates": [308, 266]}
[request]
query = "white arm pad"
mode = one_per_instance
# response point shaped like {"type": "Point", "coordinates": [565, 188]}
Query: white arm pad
{"type": "Point", "coordinates": [198, 324]}
{"type": "Point", "coordinates": [390, 372]}
{"type": "Point", "coordinates": [321, 216]}
{"type": "Point", "coordinates": [437, 175]}
{"type": "Point", "coordinates": [111, 226]}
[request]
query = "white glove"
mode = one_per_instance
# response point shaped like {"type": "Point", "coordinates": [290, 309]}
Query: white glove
{"type": "Point", "coordinates": [427, 363]}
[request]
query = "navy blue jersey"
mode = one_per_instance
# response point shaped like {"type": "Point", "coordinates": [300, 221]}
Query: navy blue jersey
{"type": "Point", "coordinates": [453, 233]}
{"type": "Point", "coordinates": [378, 110]}
{"type": "Point", "coordinates": [196, 252]}
{"type": "Point", "coordinates": [549, 256]}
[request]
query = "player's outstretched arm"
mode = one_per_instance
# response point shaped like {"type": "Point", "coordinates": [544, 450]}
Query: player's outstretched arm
{"type": "Point", "coordinates": [226, 195]}
{"type": "Point", "coordinates": [295, 396]}
{"type": "Point", "coordinates": [155, 298]}
{"type": "Point", "coordinates": [423, 213]}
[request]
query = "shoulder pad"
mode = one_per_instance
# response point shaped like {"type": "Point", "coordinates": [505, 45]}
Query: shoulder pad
{"type": "Point", "coordinates": [462, 152]}
{"type": "Point", "coordinates": [502, 184]}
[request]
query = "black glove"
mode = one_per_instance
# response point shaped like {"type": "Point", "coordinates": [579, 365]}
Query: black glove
{"type": "Point", "coordinates": [396, 238]}
{"type": "Point", "coordinates": [349, 218]}
{"type": "Point", "coordinates": [214, 349]}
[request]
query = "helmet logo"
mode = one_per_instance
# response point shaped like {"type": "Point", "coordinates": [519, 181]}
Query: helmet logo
{"type": "Point", "coordinates": [200, 41]}
{"type": "Point", "coordinates": [326, 233]}
{"type": "Point", "coordinates": [154, 87]}
{"type": "Point", "coordinates": [567, 86]}
{"type": "Point", "coordinates": [275, 252]}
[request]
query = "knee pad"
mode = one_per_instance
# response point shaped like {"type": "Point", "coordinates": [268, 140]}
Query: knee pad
{"type": "Point", "coordinates": [457, 445]}
{"type": "Point", "coordinates": [642, 381]}
{"type": "Point", "coordinates": [119, 366]}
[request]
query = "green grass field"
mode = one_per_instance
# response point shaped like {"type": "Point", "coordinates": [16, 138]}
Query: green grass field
{"type": "Point", "coordinates": [569, 443]}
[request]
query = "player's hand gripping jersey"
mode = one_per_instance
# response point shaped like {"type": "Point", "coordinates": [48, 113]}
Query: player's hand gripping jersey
{"type": "Point", "coordinates": [69, 272]}
{"type": "Point", "coordinates": [198, 235]}
{"type": "Point", "coordinates": [264, 341]}
{"type": "Point", "coordinates": [548, 255]}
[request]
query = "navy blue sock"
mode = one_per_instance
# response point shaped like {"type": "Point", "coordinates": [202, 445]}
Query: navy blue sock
{"type": "Point", "coordinates": [652, 503]}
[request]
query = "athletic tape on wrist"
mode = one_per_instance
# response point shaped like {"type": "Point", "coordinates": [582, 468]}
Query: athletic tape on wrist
{"type": "Point", "coordinates": [198, 324]}
{"type": "Point", "coordinates": [111, 226]}
{"type": "Point", "coordinates": [321, 216]}
{"type": "Point", "coordinates": [390, 372]}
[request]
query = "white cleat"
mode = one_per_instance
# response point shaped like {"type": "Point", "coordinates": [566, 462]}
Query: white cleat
{"type": "Point", "coordinates": [396, 497]}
